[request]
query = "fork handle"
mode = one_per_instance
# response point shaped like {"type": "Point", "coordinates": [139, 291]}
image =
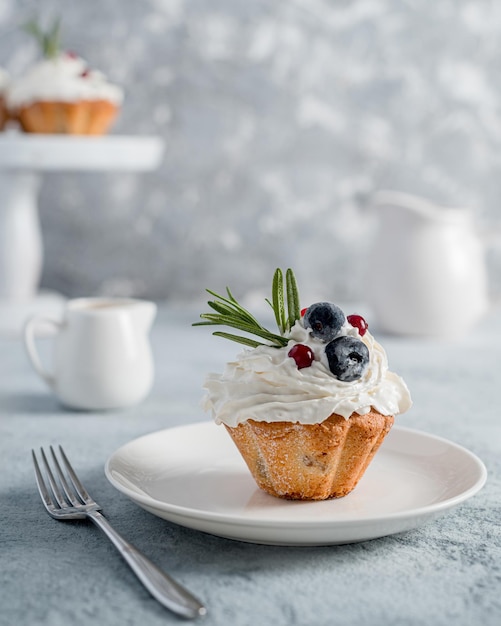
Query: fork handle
{"type": "Point", "coordinates": [161, 586]}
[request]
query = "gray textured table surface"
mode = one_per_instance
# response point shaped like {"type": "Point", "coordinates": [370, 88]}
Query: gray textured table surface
{"type": "Point", "coordinates": [447, 571]}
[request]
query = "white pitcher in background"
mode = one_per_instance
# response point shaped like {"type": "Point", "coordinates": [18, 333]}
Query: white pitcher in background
{"type": "Point", "coordinates": [102, 356]}
{"type": "Point", "coordinates": [428, 274]}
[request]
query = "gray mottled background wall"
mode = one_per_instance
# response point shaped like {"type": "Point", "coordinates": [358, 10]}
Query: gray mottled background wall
{"type": "Point", "coordinates": [281, 119]}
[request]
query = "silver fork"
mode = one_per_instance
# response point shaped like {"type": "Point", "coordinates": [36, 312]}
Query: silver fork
{"type": "Point", "coordinates": [68, 499]}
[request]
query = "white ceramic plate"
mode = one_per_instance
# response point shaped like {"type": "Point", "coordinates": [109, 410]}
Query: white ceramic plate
{"type": "Point", "coordinates": [194, 476]}
{"type": "Point", "coordinates": [79, 152]}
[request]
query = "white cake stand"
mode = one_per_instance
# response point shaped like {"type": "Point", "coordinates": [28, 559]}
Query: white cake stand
{"type": "Point", "coordinates": [23, 160]}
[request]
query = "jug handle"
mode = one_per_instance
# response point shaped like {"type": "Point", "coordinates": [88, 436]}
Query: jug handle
{"type": "Point", "coordinates": [30, 331]}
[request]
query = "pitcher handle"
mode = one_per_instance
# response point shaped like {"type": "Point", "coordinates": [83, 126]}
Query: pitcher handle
{"type": "Point", "coordinates": [30, 330]}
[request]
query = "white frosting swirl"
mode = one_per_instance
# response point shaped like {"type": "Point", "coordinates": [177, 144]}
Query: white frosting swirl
{"type": "Point", "coordinates": [65, 78]}
{"type": "Point", "coordinates": [266, 385]}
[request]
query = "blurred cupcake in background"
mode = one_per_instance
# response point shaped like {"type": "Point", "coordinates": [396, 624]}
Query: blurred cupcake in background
{"type": "Point", "coordinates": [61, 93]}
{"type": "Point", "coordinates": [4, 81]}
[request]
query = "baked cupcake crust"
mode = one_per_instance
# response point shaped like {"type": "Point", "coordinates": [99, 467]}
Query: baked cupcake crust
{"type": "Point", "coordinates": [311, 461]}
{"type": "Point", "coordinates": [4, 116]}
{"type": "Point", "coordinates": [88, 117]}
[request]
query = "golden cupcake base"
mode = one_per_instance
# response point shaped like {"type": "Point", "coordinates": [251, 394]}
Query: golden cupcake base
{"type": "Point", "coordinates": [311, 461]}
{"type": "Point", "coordinates": [87, 117]}
{"type": "Point", "coordinates": [4, 114]}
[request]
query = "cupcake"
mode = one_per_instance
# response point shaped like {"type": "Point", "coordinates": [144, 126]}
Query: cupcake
{"type": "Point", "coordinates": [62, 94]}
{"type": "Point", "coordinates": [4, 79]}
{"type": "Point", "coordinates": [307, 407]}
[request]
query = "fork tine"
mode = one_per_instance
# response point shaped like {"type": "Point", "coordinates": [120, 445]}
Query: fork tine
{"type": "Point", "coordinates": [42, 488]}
{"type": "Point", "coordinates": [81, 490]}
{"type": "Point", "coordinates": [56, 492]}
{"type": "Point", "coordinates": [70, 494]}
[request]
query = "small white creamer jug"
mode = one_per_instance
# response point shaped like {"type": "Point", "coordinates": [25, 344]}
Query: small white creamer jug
{"type": "Point", "coordinates": [428, 274]}
{"type": "Point", "coordinates": [102, 356]}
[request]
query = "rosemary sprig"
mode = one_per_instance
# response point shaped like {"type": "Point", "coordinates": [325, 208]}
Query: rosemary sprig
{"type": "Point", "coordinates": [49, 41]}
{"type": "Point", "coordinates": [228, 312]}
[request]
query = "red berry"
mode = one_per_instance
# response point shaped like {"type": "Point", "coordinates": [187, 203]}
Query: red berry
{"type": "Point", "coordinates": [357, 321]}
{"type": "Point", "coordinates": [303, 311]}
{"type": "Point", "coordinates": [303, 355]}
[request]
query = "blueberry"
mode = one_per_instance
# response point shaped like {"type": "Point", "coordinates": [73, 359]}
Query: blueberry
{"type": "Point", "coordinates": [348, 358]}
{"type": "Point", "coordinates": [325, 320]}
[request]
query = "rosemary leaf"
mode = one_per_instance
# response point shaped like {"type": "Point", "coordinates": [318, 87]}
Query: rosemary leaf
{"type": "Point", "coordinates": [31, 27]}
{"type": "Point", "coordinates": [277, 294]}
{"type": "Point", "coordinates": [293, 306]}
{"type": "Point", "coordinates": [52, 43]}
{"type": "Point", "coordinates": [243, 340]}
{"type": "Point", "coordinates": [235, 305]}
{"type": "Point", "coordinates": [234, 318]}
{"type": "Point", "coordinates": [224, 309]}
{"type": "Point", "coordinates": [216, 320]}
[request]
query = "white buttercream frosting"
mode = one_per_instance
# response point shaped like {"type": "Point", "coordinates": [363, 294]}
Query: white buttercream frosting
{"type": "Point", "coordinates": [265, 384]}
{"type": "Point", "coordinates": [65, 78]}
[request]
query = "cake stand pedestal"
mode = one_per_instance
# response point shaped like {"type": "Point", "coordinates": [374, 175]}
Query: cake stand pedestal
{"type": "Point", "coordinates": [23, 160]}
